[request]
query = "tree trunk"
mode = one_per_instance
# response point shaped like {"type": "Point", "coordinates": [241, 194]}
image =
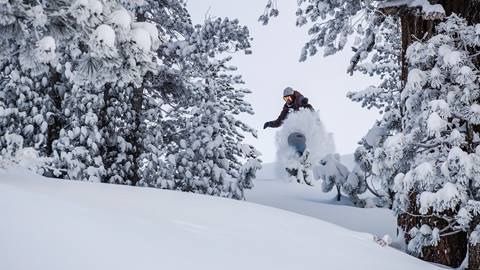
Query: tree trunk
{"type": "Point", "coordinates": [108, 151]}
{"type": "Point", "coordinates": [451, 249]}
{"type": "Point", "coordinates": [54, 121]}
{"type": "Point", "coordinates": [134, 135]}
{"type": "Point", "coordinates": [474, 250]}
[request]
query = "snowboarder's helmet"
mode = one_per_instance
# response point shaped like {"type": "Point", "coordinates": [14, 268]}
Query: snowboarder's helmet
{"type": "Point", "coordinates": [288, 91]}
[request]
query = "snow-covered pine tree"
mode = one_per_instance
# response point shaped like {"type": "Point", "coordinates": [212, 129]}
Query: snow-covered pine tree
{"type": "Point", "coordinates": [106, 56]}
{"type": "Point", "coordinates": [439, 140]}
{"type": "Point", "coordinates": [139, 142]}
{"type": "Point", "coordinates": [376, 156]}
{"type": "Point", "coordinates": [103, 86]}
{"type": "Point", "coordinates": [28, 76]}
{"type": "Point", "coordinates": [204, 137]}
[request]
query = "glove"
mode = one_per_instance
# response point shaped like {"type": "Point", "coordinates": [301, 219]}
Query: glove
{"type": "Point", "coordinates": [304, 101]}
{"type": "Point", "coordinates": [267, 124]}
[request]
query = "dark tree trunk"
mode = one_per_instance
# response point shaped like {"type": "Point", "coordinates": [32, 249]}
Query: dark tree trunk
{"type": "Point", "coordinates": [474, 250]}
{"type": "Point", "coordinates": [108, 149]}
{"type": "Point", "coordinates": [134, 135]}
{"type": "Point", "coordinates": [54, 120]}
{"type": "Point", "coordinates": [451, 249]}
{"type": "Point", "coordinates": [339, 194]}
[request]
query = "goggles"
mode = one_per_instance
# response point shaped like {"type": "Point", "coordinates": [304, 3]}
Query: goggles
{"type": "Point", "coordinates": [287, 98]}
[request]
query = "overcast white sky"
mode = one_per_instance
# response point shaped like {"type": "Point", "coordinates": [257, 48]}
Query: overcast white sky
{"type": "Point", "coordinates": [274, 65]}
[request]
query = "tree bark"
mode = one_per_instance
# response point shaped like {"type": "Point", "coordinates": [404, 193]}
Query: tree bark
{"type": "Point", "coordinates": [134, 135]}
{"type": "Point", "coordinates": [54, 121]}
{"type": "Point", "coordinates": [474, 250]}
{"type": "Point", "coordinates": [108, 151]}
{"type": "Point", "coordinates": [451, 249]}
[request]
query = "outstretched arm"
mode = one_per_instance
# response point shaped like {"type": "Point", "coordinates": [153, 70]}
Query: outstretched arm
{"type": "Point", "coordinates": [279, 121]}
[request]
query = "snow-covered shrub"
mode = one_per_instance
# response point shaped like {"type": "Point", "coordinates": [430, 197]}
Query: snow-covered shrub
{"type": "Point", "coordinates": [334, 174]}
{"type": "Point", "coordinates": [318, 144]}
{"type": "Point", "coordinates": [15, 155]}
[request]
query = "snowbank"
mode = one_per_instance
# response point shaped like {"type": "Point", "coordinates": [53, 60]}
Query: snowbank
{"type": "Point", "coordinates": [57, 224]}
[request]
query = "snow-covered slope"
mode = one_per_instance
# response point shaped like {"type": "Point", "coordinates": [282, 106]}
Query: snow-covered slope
{"type": "Point", "coordinates": [312, 201]}
{"type": "Point", "coordinates": [57, 224]}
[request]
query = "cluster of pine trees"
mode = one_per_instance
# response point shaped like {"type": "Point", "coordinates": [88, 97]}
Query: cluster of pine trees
{"type": "Point", "coordinates": [422, 159]}
{"type": "Point", "coordinates": [126, 92]}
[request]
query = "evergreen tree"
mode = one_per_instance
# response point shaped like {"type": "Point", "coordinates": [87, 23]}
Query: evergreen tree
{"type": "Point", "coordinates": [111, 89]}
{"type": "Point", "coordinates": [385, 154]}
{"type": "Point", "coordinates": [205, 153]}
{"type": "Point", "coordinates": [439, 139]}
{"type": "Point", "coordinates": [28, 62]}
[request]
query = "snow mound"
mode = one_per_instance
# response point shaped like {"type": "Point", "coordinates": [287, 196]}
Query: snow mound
{"type": "Point", "coordinates": [58, 224]}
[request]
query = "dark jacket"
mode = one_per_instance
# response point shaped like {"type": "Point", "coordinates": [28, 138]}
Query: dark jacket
{"type": "Point", "coordinates": [299, 102]}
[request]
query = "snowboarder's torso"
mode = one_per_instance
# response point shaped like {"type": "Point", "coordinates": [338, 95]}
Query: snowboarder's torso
{"type": "Point", "coordinates": [299, 102]}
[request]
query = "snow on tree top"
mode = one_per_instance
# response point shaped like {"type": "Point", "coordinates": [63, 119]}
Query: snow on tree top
{"type": "Point", "coordinates": [450, 57]}
{"type": "Point", "coordinates": [444, 199]}
{"type": "Point", "coordinates": [475, 114]}
{"type": "Point", "coordinates": [416, 78]}
{"type": "Point", "coordinates": [152, 31]}
{"type": "Point", "coordinates": [120, 18]}
{"type": "Point", "coordinates": [441, 107]}
{"type": "Point", "coordinates": [142, 38]}
{"type": "Point", "coordinates": [95, 6]}
{"type": "Point", "coordinates": [46, 49]}
{"type": "Point", "coordinates": [436, 124]}
{"type": "Point", "coordinates": [47, 44]}
{"type": "Point", "coordinates": [104, 34]}
{"type": "Point", "coordinates": [429, 11]}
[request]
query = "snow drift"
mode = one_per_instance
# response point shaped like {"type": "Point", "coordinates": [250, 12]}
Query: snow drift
{"type": "Point", "coordinates": [58, 224]}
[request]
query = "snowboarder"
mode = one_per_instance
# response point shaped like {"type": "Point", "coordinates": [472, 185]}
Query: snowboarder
{"type": "Point", "coordinates": [293, 102]}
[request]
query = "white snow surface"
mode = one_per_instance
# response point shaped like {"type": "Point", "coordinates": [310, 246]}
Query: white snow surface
{"type": "Point", "coordinates": [58, 224]}
{"type": "Point", "coordinates": [425, 5]}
